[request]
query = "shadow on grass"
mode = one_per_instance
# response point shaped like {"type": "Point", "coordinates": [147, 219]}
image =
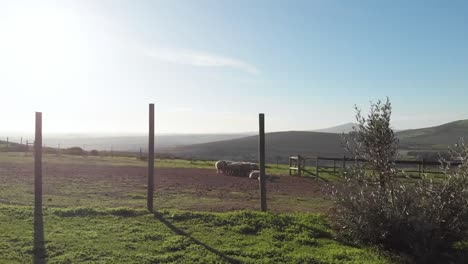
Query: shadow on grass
{"type": "Point", "coordinates": [39, 251]}
{"type": "Point", "coordinates": [178, 231]}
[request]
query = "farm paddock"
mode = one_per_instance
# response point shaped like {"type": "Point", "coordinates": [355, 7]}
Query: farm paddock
{"type": "Point", "coordinates": [94, 212]}
{"type": "Point", "coordinates": [104, 183]}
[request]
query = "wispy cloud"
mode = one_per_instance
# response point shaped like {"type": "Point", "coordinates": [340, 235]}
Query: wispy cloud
{"type": "Point", "coordinates": [200, 59]}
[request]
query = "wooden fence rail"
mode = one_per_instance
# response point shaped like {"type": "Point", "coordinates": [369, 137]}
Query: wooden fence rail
{"type": "Point", "coordinates": [297, 165]}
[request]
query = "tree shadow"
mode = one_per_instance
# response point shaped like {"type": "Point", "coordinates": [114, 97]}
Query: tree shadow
{"type": "Point", "coordinates": [178, 231]}
{"type": "Point", "coordinates": [39, 251]}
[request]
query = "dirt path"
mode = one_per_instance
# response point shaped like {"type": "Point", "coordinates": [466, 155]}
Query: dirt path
{"type": "Point", "coordinates": [102, 183]}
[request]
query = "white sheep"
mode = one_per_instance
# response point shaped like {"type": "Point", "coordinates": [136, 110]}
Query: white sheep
{"type": "Point", "coordinates": [233, 168]}
{"type": "Point", "coordinates": [220, 166]}
{"type": "Point", "coordinates": [255, 174]}
{"type": "Point", "coordinates": [254, 166]}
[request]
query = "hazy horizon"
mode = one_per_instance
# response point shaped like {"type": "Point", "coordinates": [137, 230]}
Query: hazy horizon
{"type": "Point", "coordinates": [17, 135]}
{"type": "Point", "coordinates": [211, 66]}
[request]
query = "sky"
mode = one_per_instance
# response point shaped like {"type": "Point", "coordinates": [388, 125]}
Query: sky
{"type": "Point", "coordinates": [212, 66]}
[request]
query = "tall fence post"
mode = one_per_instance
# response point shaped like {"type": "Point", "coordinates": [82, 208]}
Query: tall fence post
{"type": "Point", "coordinates": [38, 164]}
{"type": "Point", "coordinates": [261, 150]}
{"type": "Point", "coordinates": [317, 166]}
{"type": "Point", "coordinates": [334, 167]}
{"type": "Point", "coordinates": [7, 143]}
{"type": "Point", "coordinates": [422, 165]}
{"type": "Point", "coordinates": [419, 168]}
{"type": "Point", "coordinates": [150, 159]}
{"type": "Point", "coordinates": [299, 167]}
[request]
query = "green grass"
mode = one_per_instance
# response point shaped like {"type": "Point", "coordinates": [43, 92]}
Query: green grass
{"type": "Point", "coordinates": [271, 169]}
{"type": "Point", "coordinates": [86, 232]}
{"type": "Point", "coordinates": [123, 235]}
{"type": "Point", "coordinates": [19, 157]}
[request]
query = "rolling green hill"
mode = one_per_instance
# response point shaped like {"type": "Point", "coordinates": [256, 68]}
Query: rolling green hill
{"type": "Point", "coordinates": [278, 144]}
{"type": "Point", "coordinates": [284, 144]}
{"type": "Point", "coordinates": [434, 138]}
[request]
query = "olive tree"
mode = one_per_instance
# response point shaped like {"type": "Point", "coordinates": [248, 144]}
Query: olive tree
{"type": "Point", "coordinates": [418, 217]}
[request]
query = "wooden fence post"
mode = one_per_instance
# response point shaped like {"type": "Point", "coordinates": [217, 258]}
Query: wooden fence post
{"type": "Point", "coordinates": [317, 166]}
{"type": "Point", "coordinates": [261, 150]}
{"type": "Point", "coordinates": [299, 167]}
{"type": "Point", "coordinates": [150, 159]}
{"type": "Point", "coordinates": [422, 165]}
{"type": "Point", "coordinates": [7, 143]}
{"type": "Point", "coordinates": [38, 164]}
{"type": "Point", "coordinates": [419, 168]}
{"type": "Point", "coordinates": [334, 167]}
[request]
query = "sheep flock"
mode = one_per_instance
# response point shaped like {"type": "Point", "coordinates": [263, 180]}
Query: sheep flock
{"type": "Point", "coordinates": [233, 168]}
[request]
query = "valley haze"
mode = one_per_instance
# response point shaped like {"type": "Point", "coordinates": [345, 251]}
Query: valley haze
{"type": "Point", "coordinates": [244, 146]}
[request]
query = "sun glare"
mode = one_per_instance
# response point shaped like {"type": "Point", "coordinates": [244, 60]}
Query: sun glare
{"type": "Point", "coordinates": [42, 42]}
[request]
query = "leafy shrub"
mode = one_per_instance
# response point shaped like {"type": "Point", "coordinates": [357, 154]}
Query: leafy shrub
{"type": "Point", "coordinates": [422, 218]}
{"type": "Point", "coordinates": [426, 155]}
{"type": "Point", "coordinates": [74, 151]}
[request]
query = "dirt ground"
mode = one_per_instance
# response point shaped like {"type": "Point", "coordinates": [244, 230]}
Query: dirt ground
{"type": "Point", "coordinates": [180, 188]}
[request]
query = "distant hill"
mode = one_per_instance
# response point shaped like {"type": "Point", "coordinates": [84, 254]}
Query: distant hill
{"type": "Point", "coordinates": [437, 137]}
{"type": "Point", "coordinates": [133, 143]}
{"type": "Point", "coordinates": [278, 144]}
{"type": "Point", "coordinates": [284, 144]}
{"type": "Point", "coordinates": [344, 128]}
{"type": "Point", "coordinates": [244, 146]}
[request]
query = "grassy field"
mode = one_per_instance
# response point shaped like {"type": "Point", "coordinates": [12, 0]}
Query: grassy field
{"type": "Point", "coordinates": [123, 235]}
{"type": "Point", "coordinates": [74, 185]}
{"type": "Point", "coordinates": [18, 157]}
{"type": "Point", "coordinates": [271, 169]}
{"type": "Point", "coordinates": [105, 232]}
{"type": "Point", "coordinates": [92, 219]}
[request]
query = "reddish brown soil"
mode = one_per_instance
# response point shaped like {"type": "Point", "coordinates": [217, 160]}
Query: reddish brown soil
{"type": "Point", "coordinates": [117, 181]}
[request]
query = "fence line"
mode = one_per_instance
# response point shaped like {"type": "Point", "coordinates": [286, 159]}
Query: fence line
{"type": "Point", "coordinates": [297, 165]}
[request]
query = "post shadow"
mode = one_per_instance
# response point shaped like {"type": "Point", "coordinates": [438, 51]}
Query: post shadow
{"type": "Point", "coordinates": [39, 251]}
{"type": "Point", "coordinates": [180, 232]}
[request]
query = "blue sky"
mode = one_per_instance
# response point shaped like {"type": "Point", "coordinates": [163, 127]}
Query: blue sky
{"type": "Point", "coordinates": [212, 66]}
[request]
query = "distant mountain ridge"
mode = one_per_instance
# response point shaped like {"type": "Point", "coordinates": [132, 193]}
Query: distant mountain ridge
{"type": "Point", "coordinates": [244, 146]}
{"type": "Point", "coordinates": [436, 137]}
{"type": "Point", "coordinates": [278, 145]}
{"type": "Point", "coordinates": [344, 128]}
{"type": "Point", "coordinates": [129, 143]}
{"type": "Point", "coordinates": [312, 143]}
